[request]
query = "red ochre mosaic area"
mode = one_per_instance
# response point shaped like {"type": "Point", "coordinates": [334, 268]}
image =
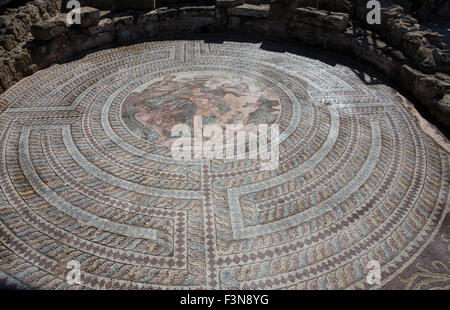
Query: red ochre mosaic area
{"type": "Point", "coordinates": [86, 175]}
{"type": "Point", "coordinates": [218, 98]}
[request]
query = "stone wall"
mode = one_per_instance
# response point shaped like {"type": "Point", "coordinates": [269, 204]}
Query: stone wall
{"type": "Point", "coordinates": [117, 5]}
{"type": "Point", "coordinates": [15, 25]}
{"type": "Point", "coordinates": [415, 60]}
{"type": "Point", "coordinates": [427, 10]}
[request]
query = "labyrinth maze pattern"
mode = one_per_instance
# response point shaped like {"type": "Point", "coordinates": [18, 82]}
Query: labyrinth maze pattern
{"type": "Point", "coordinates": [357, 179]}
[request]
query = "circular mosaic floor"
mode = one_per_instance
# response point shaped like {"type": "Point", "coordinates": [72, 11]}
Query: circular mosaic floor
{"type": "Point", "coordinates": [86, 174]}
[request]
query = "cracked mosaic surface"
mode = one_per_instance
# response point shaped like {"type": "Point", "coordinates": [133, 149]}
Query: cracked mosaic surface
{"type": "Point", "coordinates": [357, 179]}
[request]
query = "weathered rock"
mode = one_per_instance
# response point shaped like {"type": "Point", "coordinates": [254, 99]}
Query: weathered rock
{"type": "Point", "coordinates": [167, 14]}
{"type": "Point", "coordinates": [428, 89]}
{"type": "Point", "coordinates": [398, 55]}
{"type": "Point", "coordinates": [435, 39]}
{"type": "Point", "coordinates": [9, 24]}
{"type": "Point", "coordinates": [257, 2]}
{"type": "Point", "coordinates": [250, 10]}
{"type": "Point", "coordinates": [5, 2]}
{"type": "Point", "coordinates": [442, 58]}
{"type": "Point", "coordinates": [416, 47]}
{"type": "Point", "coordinates": [310, 34]}
{"type": "Point", "coordinates": [264, 28]}
{"type": "Point", "coordinates": [49, 29]}
{"type": "Point", "coordinates": [186, 25]}
{"type": "Point", "coordinates": [151, 16]}
{"type": "Point", "coordinates": [424, 59]}
{"type": "Point", "coordinates": [6, 76]}
{"type": "Point", "coordinates": [147, 23]}
{"type": "Point", "coordinates": [33, 12]}
{"type": "Point", "coordinates": [330, 20]}
{"type": "Point", "coordinates": [52, 6]}
{"type": "Point", "coordinates": [196, 11]}
{"type": "Point", "coordinates": [443, 109]}
{"type": "Point", "coordinates": [7, 41]}
{"type": "Point", "coordinates": [437, 100]}
{"type": "Point", "coordinates": [388, 14]}
{"type": "Point", "coordinates": [86, 43]}
{"type": "Point", "coordinates": [409, 77]}
{"type": "Point", "coordinates": [89, 17]}
{"type": "Point", "coordinates": [283, 8]}
{"type": "Point", "coordinates": [228, 3]}
{"type": "Point", "coordinates": [21, 60]}
{"type": "Point", "coordinates": [434, 10]}
{"type": "Point", "coordinates": [60, 48]}
{"type": "Point", "coordinates": [5, 21]}
{"type": "Point", "coordinates": [42, 6]}
{"type": "Point", "coordinates": [345, 6]}
{"type": "Point", "coordinates": [104, 25]}
{"type": "Point", "coordinates": [39, 51]}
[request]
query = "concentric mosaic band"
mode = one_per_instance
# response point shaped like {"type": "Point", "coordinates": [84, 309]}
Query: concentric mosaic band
{"type": "Point", "coordinates": [86, 175]}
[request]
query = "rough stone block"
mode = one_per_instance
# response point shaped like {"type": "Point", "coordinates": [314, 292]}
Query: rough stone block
{"type": "Point", "coordinates": [196, 11]}
{"type": "Point", "coordinates": [442, 58]}
{"type": "Point", "coordinates": [49, 29]}
{"type": "Point", "coordinates": [121, 22]}
{"type": "Point", "coordinates": [409, 77]}
{"type": "Point", "coordinates": [228, 3]}
{"type": "Point", "coordinates": [98, 40]}
{"type": "Point", "coordinates": [7, 41]}
{"type": "Point", "coordinates": [258, 11]}
{"type": "Point", "coordinates": [234, 22]}
{"type": "Point", "coordinates": [345, 6]}
{"type": "Point", "coordinates": [264, 28]}
{"type": "Point", "coordinates": [105, 25]}
{"type": "Point", "coordinates": [330, 20]}
{"type": "Point", "coordinates": [123, 5]}
{"type": "Point", "coordinates": [147, 23]}
{"type": "Point", "coordinates": [187, 25]}
{"type": "Point", "coordinates": [424, 59]}
{"type": "Point", "coordinates": [443, 107]}
{"type": "Point", "coordinates": [310, 34]}
{"type": "Point", "coordinates": [283, 8]}
{"type": "Point", "coordinates": [89, 17]}
{"type": "Point", "coordinates": [167, 14]}
{"type": "Point", "coordinates": [435, 39]}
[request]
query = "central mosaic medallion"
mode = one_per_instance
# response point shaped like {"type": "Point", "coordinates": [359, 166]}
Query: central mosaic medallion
{"type": "Point", "coordinates": [153, 109]}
